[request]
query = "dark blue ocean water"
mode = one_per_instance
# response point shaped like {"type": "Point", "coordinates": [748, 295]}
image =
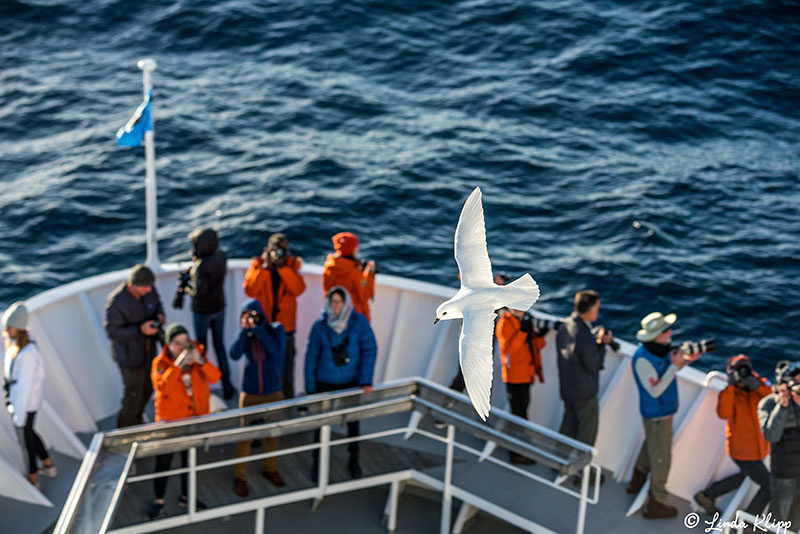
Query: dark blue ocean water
{"type": "Point", "coordinates": [646, 149]}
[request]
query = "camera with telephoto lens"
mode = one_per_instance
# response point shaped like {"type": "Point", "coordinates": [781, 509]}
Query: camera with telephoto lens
{"type": "Point", "coordinates": [257, 317]}
{"type": "Point", "coordinates": [599, 331]}
{"type": "Point", "coordinates": [787, 374]}
{"type": "Point", "coordinates": [537, 325]}
{"type": "Point", "coordinates": [362, 264]}
{"type": "Point", "coordinates": [184, 281]}
{"type": "Point", "coordinates": [697, 347]}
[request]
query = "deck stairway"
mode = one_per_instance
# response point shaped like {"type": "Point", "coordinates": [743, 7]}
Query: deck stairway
{"type": "Point", "coordinates": [464, 459]}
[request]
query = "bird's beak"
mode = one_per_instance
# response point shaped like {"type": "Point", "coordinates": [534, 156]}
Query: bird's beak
{"type": "Point", "coordinates": [436, 320]}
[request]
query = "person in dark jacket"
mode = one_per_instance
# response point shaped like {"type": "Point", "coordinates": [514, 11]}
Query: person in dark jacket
{"type": "Point", "coordinates": [133, 318]}
{"type": "Point", "coordinates": [341, 354]}
{"type": "Point", "coordinates": [207, 277]}
{"type": "Point", "coordinates": [580, 358]}
{"type": "Point", "coordinates": [779, 416]}
{"type": "Point", "coordinates": [264, 345]}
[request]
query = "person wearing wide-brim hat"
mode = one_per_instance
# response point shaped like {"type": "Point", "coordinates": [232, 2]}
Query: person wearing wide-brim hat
{"type": "Point", "coordinates": [655, 365]}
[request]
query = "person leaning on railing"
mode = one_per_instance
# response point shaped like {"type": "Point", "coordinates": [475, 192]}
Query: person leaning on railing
{"type": "Point", "coordinates": [180, 376]}
{"type": "Point", "coordinates": [340, 354]}
{"type": "Point", "coordinates": [521, 363]}
{"type": "Point", "coordinates": [24, 375]}
{"type": "Point", "coordinates": [655, 367]}
{"type": "Point", "coordinates": [779, 416]}
{"type": "Point", "coordinates": [738, 405]}
{"type": "Point", "coordinates": [264, 346]}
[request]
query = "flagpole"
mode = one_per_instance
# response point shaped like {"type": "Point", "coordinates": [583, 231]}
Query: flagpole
{"type": "Point", "coordinates": [147, 67]}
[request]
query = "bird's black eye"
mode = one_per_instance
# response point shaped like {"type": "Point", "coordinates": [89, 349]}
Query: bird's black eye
{"type": "Point", "coordinates": [444, 313]}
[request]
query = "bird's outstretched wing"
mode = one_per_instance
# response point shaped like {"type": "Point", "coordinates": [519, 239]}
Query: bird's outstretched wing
{"type": "Point", "coordinates": [475, 356]}
{"type": "Point", "coordinates": [470, 244]}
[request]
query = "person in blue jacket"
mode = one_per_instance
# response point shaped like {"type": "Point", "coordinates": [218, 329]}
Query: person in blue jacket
{"type": "Point", "coordinates": [264, 345]}
{"type": "Point", "coordinates": [340, 354]}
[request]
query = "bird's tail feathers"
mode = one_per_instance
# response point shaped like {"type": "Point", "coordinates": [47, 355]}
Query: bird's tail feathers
{"type": "Point", "coordinates": [525, 292]}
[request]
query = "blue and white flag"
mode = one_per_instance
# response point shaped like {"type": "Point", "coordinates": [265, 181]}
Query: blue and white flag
{"type": "Point", "coordinates": [132, 134]}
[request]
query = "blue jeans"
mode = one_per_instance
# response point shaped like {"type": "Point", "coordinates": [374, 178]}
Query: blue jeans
{"type": "Point", "coordinates": [216, 321]}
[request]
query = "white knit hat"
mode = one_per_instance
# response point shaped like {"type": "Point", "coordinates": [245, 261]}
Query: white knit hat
{"type": "Point", "coordinates": [16, 316]}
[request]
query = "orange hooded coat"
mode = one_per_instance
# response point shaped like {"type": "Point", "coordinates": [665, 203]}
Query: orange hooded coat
{"type": "Point", "coordinates": [740, 408]}
{"type": "Point", "coordinates": [258, 285]}
{"type": "Point", "coordinates": [343, 271]}
{"type": "Point", "coordinates": [172, 400]}
{"type": "Point", "coordinates": [518, 364]}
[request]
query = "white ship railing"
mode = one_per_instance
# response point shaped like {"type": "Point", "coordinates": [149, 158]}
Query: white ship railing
{"type": "Point", "coordinates": [91, 507]}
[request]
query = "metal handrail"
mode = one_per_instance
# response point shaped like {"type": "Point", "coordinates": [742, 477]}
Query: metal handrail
{"type": "Point", "coordinates": [320, 412]}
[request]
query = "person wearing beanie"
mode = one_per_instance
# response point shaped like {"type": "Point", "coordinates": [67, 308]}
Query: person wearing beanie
{"type": "Point", "coordinates": [738, 405]}
{"type": "Point", "coordinates": [24, 375]}
{"type": "Point", "coordinates": [133, 316]}
{"type": "Point", "coordinates": [181, 376]}
{"type": "Point", "coordinates": [655, 367]}
{"type": "Point", "coordinates": [274, 280]}
{"type": "Point", "coordinates": [343, 268]}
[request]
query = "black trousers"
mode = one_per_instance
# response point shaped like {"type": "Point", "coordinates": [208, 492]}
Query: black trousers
{"type": "Point", "coordinates": [754, 469]}
{"type": "Point", "coordinates": [33, 444]}
{"type": "Point", "coordinates": [288, 367]}
{"type": "Point", "coordinates": [163, 463]}
{"type": "Point", "coordinates": [138, 388]}
{"type": "Point", "coordinates": [353, 429]}
{"type": "Point", "coordinates": [581, 420]}
{"type": "Point", "coordinates": [519, 397]}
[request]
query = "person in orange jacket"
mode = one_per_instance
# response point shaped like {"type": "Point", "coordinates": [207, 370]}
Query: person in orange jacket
{"type": "Point", "coordinates": [277, 272]}
{"type": "Point", "coordinates": [521, 363]}
{"type": "Point", "coordinates": [181, 376]}
{"type": "Point", "coordinates": [344, 269]}
{"type": "Point", "coordinates": [738, 404]}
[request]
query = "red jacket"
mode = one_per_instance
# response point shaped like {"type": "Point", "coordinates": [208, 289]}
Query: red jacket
{"type": "Point", "coordinates": [344, 271]}
{"type": "Point", "coordinates": [518, 364]}
{"type": "Point", "coordinates": [258, 285]}
{"type": "Point", "coordinates": [740, 408]}
{"type": "Point", "coordinates": [172, 399]}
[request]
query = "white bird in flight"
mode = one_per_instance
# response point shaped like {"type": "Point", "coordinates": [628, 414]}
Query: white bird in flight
{"type": "Point", "coordinates": [477, 301]}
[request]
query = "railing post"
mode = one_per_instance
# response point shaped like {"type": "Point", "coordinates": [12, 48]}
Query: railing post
{"type": "Point", "coordinates": [192, 482]}
{"type": "Point", "coordinates": [394, 494]}
{"type": "Point", "coordinates": [324, 463]}
{"type": "Point", "coordinates": [259, 520]}
{"type": "Point", "coordinates": [584, 494]}
{"type": "Point", "coordinates": [447, 494]}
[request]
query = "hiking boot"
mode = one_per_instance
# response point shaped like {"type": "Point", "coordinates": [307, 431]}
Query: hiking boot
{"type": "Point", "coordinates": [274, 477]}
{"type": "Point", "coordinates": [637, 481]}
{"type": "Point", "coordinates": [654, 509]}
{"type": "Point", "coordinates": [706, 502]}
{"type": "Point", "coordinates": [354, 467]}
{"type": "Point", "coordinates": [240, 488]}
{"type": "Point", "coordinates": [155, 509]}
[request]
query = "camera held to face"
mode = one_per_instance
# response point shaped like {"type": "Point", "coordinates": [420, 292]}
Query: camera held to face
{"type": "Point", "coordinates": [537, 325]}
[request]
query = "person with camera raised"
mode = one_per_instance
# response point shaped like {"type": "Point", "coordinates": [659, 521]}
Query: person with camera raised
{"type": "Point", "coordinates": [133, 320]}
{"type": "Point", "coordinates": [738, 405]}
{"type": "Point", "coordinates": [274, 279]}
{"type": "Point", "coordinates": [343, 268]}
{"type": "Point", "coordinates": [521, 362]}
{"type": "Point", "coordinates": [264, 346]}
{"type": "Point", "coordinates": [341, 354]}
{"type": "Point", "coordinates": [779, 417]}
{"type": "Point", "coordinates": [181, 376]}
{"type": "Point", "coordinates": [580, 358]}
{"type": "Point", "coordinates": [655, 367]}
{"type": "Point", "coordinates": [205, 283]}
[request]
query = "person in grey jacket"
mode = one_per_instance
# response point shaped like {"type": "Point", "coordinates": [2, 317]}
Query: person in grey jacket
{"type": "Point", "coordinates": [133, 318]}
{"type": "Point", "coordinates": [580, 358]}
{"type": "Point", "coordinates": [779, 416]}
